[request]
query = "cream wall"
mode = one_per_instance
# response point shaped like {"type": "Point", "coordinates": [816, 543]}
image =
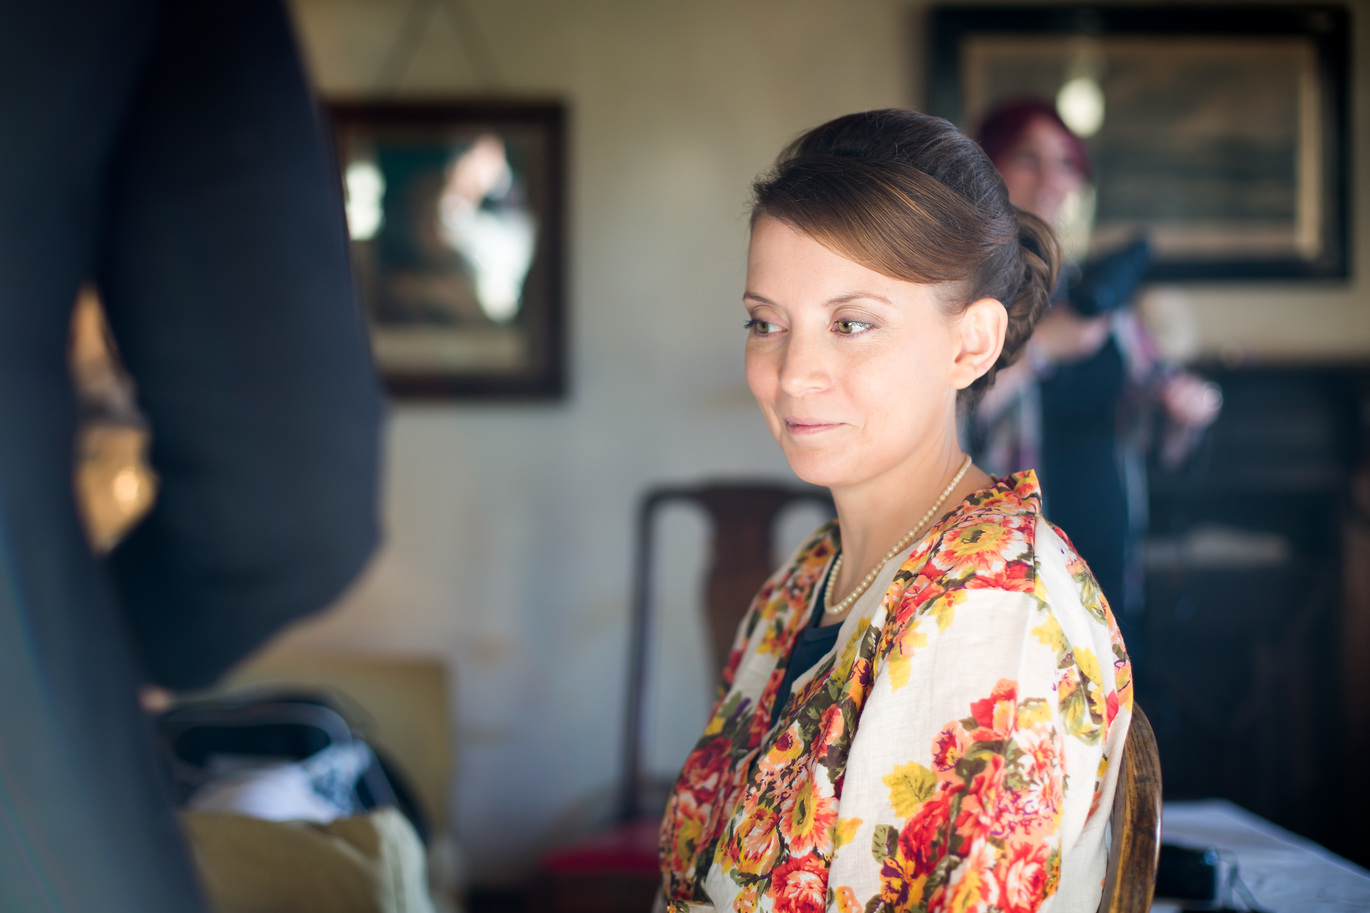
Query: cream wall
{"type": "Point", "coordinates": [509, 526]}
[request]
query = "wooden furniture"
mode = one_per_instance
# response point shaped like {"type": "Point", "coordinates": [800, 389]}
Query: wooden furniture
{"type": "Point", "coordinates": [742, 516]}
{"type": "Point", "coordinates": [1136, 823]}
{"type": "Point", "coordinates": [1256, 628]}
{"type": "Point", "coordinates": [617, 870]}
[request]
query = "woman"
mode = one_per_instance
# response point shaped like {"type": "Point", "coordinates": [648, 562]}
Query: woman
{"type": "Point", "coordinates": [1075, 409]}
{"type": "Point", "coordinates": [922, 706]}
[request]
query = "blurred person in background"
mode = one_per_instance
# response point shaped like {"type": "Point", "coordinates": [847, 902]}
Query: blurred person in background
{"type": "Point", "coordinates": [1077, 405]}
{"type": "Point", "coordinates": [169, 153]}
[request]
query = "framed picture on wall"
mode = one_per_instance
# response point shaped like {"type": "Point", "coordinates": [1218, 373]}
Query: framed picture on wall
{"type": "Point", "coordinates": [1219, 132]}
{"type": "Point", "coordinates": [456, 213]}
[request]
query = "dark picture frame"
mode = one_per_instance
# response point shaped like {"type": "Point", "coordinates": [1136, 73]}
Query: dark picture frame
{"type": "Point", "coordinates": [1224, 136]}
{"type": "Point", "coordinates": [456, 211]}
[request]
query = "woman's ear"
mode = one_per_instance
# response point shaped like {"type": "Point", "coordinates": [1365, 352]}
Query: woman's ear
{"type": "Point", "coordinates": [980, 333]}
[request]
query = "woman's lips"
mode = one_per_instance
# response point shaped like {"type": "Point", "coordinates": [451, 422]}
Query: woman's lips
{"type": "Point", "coordinates": [808, 427]}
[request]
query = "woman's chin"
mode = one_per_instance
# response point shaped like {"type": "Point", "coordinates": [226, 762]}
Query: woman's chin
{"type": "Point", "coordinates": [823, 473]}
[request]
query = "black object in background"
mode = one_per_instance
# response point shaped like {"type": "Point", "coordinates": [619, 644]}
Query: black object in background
{"type": "Point", "coordinates": [1109, 281]}
{"type": "Point", "coordinates": [1187, 873]}
{"type": "Point", "coordinates": [170, 152]}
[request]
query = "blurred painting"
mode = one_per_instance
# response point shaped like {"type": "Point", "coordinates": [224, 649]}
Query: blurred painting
{"type": "Point", "coordinates": [1218, 135]}
{"type": "Point", "coordinates": [114, 484]}
{"type": "Point", "coordinates": [455, 217]}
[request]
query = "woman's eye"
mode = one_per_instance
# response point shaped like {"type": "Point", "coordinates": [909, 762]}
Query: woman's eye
{"type": "Point", "coordinates": [851, 327]}
{"type": "Point", "coordinates": [760, 327]}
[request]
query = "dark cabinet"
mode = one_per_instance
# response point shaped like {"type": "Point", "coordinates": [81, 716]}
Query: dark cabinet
{"type": "Point", "coordinates": [1252, 637]}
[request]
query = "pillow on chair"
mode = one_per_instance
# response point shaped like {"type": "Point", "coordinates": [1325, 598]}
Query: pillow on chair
{"type": "Point", "coordinates": [372, 863]}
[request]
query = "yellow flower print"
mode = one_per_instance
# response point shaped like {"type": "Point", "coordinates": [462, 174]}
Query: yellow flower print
{"type": "Point", "coordinates": [1094, 681]}
{"type": "Point", "coordinates": [901, 888]}
{"type": "Point", "coordinates": [1122, 677]}
{"type": "Point", "coordinates": [910, 786]}
{"type": "Point", "coordinates": [983, 547]}
{"type": "Point", "coordinates": [1049, 633]}
{"type": "Point", "coordinates": [756, 841]}
{"type": "Point", "coordinates": [809, 819]}
{"type": "Point", "coordinates": [902, 655]}
{"type": "Point", "coordinates": [943, 608]}
{"type": "Point", "coordinates": [1098, 786]}
{"type": "Point", "coordinates": [775, 639]}
{"type": "Point", "coordinates": [746, 900]}
{"type": "Point", "coordinates": [1032, 712]}
{"type": "Point", "coordinates": [848, 656]}
{"type": "Point", "coordinates": [1072, 697]}
{"type": "Point", "coordinates": [846, 833]}
{"type": "Point", "coordinates": [847, 902]}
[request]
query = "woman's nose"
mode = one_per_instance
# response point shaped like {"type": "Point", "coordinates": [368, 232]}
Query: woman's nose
{"type": "Point", "coordinates": [804, 367]}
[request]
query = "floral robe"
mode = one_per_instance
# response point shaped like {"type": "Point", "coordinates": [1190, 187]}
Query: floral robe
{"type": "Point", "coordinates": [954, 751]}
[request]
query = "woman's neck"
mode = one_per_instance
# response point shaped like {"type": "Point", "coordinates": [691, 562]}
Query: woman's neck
{"type": "Point", "coordinates": [875, 515]}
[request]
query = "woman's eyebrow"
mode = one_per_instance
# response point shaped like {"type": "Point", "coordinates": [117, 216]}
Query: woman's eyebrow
{"type": "Point", "coordinates": [859, 296]}
{"type": "Point", "coordinates": [831, 302]}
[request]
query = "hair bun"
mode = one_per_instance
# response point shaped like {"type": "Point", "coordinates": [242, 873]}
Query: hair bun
{"type": "Point", "coordinates": [1041, 258]}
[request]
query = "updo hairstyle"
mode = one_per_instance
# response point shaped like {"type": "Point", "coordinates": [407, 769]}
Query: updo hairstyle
{"type": "Point", "coordinates": [909, 196]}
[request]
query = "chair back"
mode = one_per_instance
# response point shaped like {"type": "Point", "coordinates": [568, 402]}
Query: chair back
{"type": "Point", "coordinates": [742, 516]}
{"type": "Point", "coordinates": [1135, 823]}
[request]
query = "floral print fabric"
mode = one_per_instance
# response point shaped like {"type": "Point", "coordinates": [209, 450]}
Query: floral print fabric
{"type": "Point", "coordinates": [954, 752]}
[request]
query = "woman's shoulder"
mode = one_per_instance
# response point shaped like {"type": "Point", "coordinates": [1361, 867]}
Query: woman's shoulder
{"type": "Point", "coordinates": [999, 542]}
{"type": "Point", "coordinates": [990, 540]}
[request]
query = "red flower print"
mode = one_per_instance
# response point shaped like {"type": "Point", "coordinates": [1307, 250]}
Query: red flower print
{"type": "Point", "coordinates": [831, 726]}
{"type": "Point", "coordinates": [1023, 878]}
{"type": "Point", "coordinates": [979, 813]}
{"type": "Point", "coordinates": [916, 596]}
{"type": "Point", "coordinates": [730, 667]}
{"type": "Point", "coordinates": [799, 885]}
{"type": "Point", "coordinates": [923, 840]}
{"type": "Point", "coordinates": [972, 885]}
{"type": "Point", "coordinates": [997, 712]}
{"type": "Point", "coordinates": [704, 770]}
{"type": "Point", "coordinates": [1034, 808]}
{"type": "Point", "coordinates": [1015, 576]}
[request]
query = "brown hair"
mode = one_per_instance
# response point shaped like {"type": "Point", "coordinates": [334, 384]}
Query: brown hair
{"type": "Point", "coordinates": [911, 197]}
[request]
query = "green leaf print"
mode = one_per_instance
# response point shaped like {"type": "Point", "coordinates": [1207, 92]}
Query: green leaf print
{"type": "Point", "coordinates": [885, 841]}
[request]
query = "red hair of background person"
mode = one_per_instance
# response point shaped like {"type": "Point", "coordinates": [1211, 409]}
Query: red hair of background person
{"type": "Point", "coordinates": [1004, 126]}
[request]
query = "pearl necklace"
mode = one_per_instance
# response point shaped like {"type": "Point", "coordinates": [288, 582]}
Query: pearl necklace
{"type": "Point", "coordinates": [899, 546]}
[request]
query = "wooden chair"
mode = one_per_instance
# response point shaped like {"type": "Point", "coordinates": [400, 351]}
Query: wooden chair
{"type": "Point", "coordinates": [1135, 823]}
{"type": "Point", "coordinates": [616, 871]}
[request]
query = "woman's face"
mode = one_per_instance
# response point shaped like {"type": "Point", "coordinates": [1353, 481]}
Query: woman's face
{"type": "Point", "coordinates": [1040, 169]}
{"type": "Point", "coordinates": [855, 372]}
